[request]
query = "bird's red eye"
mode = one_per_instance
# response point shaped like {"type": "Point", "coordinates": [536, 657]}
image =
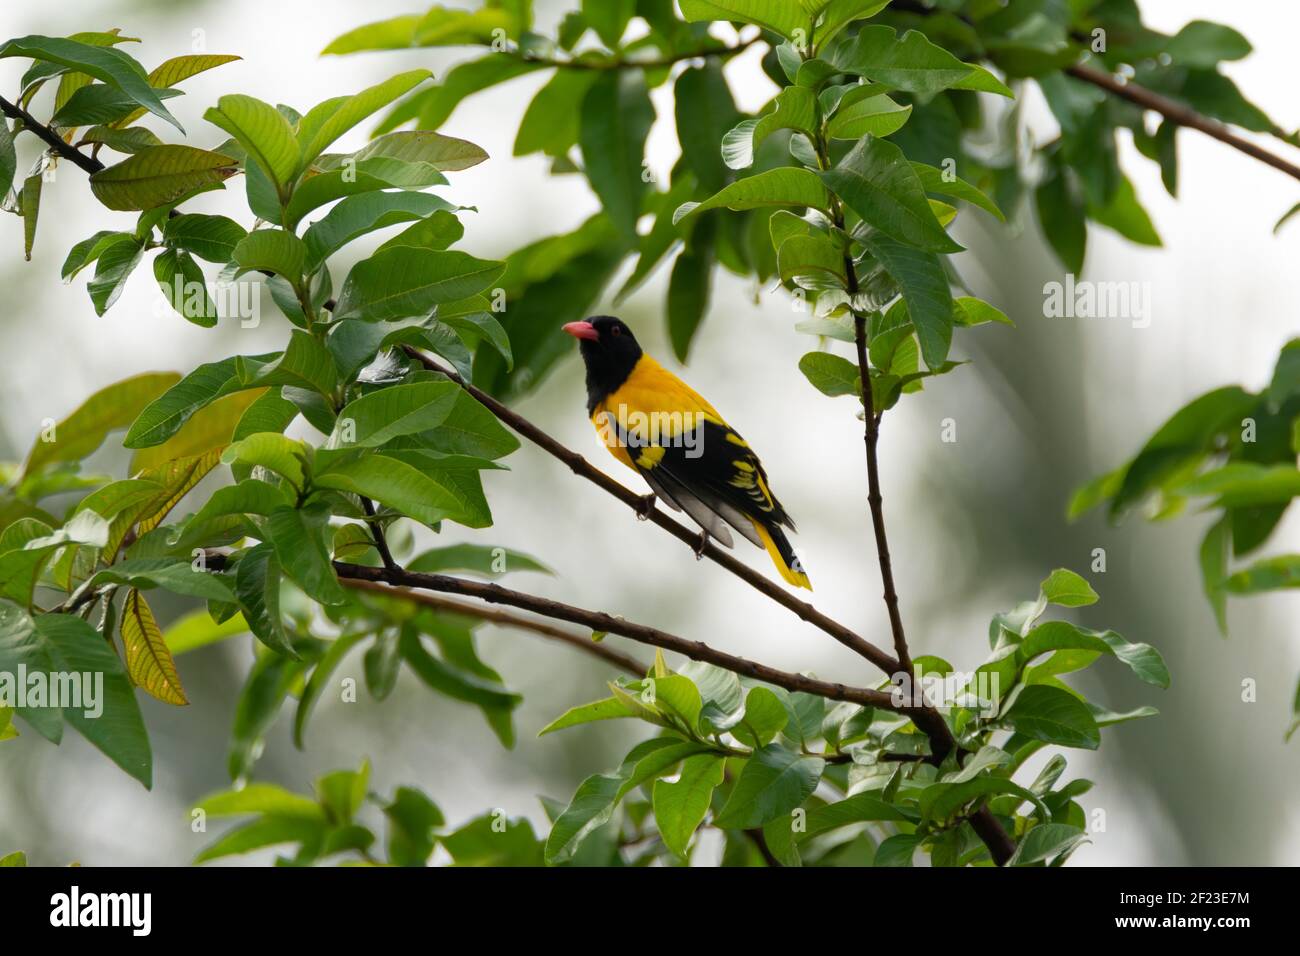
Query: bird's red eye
{"type": "Point", "coordinates": [615, 331]}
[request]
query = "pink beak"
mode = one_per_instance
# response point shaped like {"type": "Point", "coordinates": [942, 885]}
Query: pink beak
{"type": "Point", "coordinates": [582, 330]}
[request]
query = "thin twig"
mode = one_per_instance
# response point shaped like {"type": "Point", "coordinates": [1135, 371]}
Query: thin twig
{"type": "Point", "coordinates": [610, 624]}
{"type": "Point", "coordinates": [584, 469]}
{"type": "Point", "coordinates": [377, 532]}
{"type": "Point", "coordinates": [1179, 114]}
{"type": "Point", "coordinates": [506, 619]}
{"type": "Point", "coordinates": [52, 139]}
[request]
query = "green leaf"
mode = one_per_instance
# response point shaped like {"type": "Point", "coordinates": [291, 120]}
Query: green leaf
{"type": "Point", "coordinates": [1215, 548]}
{"type": "Point", "coordinates": [357, 215]}
{"type": "Point", "coordinates": [403, 487]}
{"type": "Point", "coordinates": [398, 410]}
{"type": "Point", "coordinates": [781, 16]}
{"type": "Point", "coordinates": [1063, 217]}
{"type": "Point", "coordinates": [608, 18]}
{"type": "Point", "coordinates": [182, 283]}
{"type": "Point", "coordinates": [8, 158]}
{"type": "Point", "coordinates": [774, 781]}
{"type": "Point", "coordinates": [1187, 436]}
{"type": "Point", "coordinates": [300, 545]}
{"type": "Point", "coordinates": [325, 123]}
{"type": "Point", "coordinates": [1054, 716]}
{"type": "Point", "coordinates": [320, 679]}
{"type": "Point", "coordinates": [897, 850]}
{"type": "Point", "coordinates": [1068, 589]}
{"type": "Point", "coordinates": [164, 416]}
{"type": "Point", "coordinates": [784, 186]}
{"type": "Point", "coordinates": [831, 374]}
{"type": "Point", "coordinates": [607, 708]}
{"type": "Point", "coordinates": [593, 804]}
{"type": "Point", "coordinates": [941, 801]}
{"type": "Point", "coordinates": [273, 451]}
{"type": "Point", "coordinates": [1046, 841]}
{"type": "Point", "coordinates": [1202, 45]}
{"type": "Point", "coordinates": [272, 250]}
{"type": "Point", "coordinates": [118, 731]}
{"type": "Point", "coordinates": [705, 112]}
{"type": "Point", "coordinates": [257, 586]}
{"type": "Point", "coordinates": [680, 806]}
{"type": "Point", "coordinates": [160, 175]}
{"type": "Point", "coordinates": [552, 122]}
{"type": "Point", "coordinates": [925, 290]}
{"type": "Point", "coordinates": [911, 63]}
{"type": "Point", "coordinates": [29, 204]}
{"type": "Point", "coordinates": [391, 34]}
{"type": "Point", "coordinates": [86, 428]}
{"type": "Point", "coordinates": [412, 818]}
{"type": "Point", "coordinates": [615, 120]}
{"type": "Point", "coordinates": [306, 363]}
{"type": "Point", "coordinates": [837, 14]}
{"type": "Point", "coordinates": [765, 716]}
{"type": "Point", "coordinates": [869, 113]}
{"type": "Point", "coordinates": [1270, 574]}
{"type": "Point", "coordinates": [113, 268]}
{"type": "Point", "coordinates": [876, 182]}
{"type": "Point", "coordinates": [179, 577]}
{"type": "Point", "coordinates": [405, 281]}
{"type": "Point", "coordinates": [475, 558]}
{"type": "Point", "coordinates": [104, 63]}
{"type": "Point", "coordinates": [859, 808]}
{"type": "Point", "coordinates": [1144, 660]}
{"type": "Point", "coordinates": [935, 180]}
{"type": "Point", "coordinates": [212, 238]}
{"type": "Point", "coordinates": [264, 132]}
{"type": "Point", "coordinates": [688, 295]}
{"type": "Point", "coordinates": [968, 311]}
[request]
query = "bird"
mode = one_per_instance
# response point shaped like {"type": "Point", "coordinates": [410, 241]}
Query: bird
{"type": "Point", "coordinates": [660, 427]}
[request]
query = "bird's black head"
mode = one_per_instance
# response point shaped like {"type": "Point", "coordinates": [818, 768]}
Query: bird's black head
{"type": "Point", "coordinates": [610, 352]}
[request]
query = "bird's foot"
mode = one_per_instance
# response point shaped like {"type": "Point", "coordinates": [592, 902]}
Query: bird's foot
{"type": "Point", "coordinates": [645, 506]}
{"type": "Point", "coordinates": [701, 545]}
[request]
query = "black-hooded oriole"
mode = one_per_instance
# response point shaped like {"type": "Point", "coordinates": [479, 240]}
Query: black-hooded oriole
{"type": "Point", "coordinates": [656, 424]}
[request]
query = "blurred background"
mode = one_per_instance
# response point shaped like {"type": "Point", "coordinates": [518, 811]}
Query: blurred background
{"type": "Point", "coordinates": [975, 524]}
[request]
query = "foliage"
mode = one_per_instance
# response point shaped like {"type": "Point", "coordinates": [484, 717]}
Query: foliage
{"type": "Point", "coordinates": [1234, 451]}
{"type": "Point", "coordinates": [841, 190]}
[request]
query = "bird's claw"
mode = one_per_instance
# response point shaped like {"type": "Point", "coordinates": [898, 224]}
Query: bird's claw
{"type": "Point", "coordinates": [645, 506]}
{"type": "Point", "coordinates": [701, 545]}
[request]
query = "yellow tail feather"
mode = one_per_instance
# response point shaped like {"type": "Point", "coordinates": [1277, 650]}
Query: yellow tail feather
{"type": "Point", "coordinates": [797, 578]}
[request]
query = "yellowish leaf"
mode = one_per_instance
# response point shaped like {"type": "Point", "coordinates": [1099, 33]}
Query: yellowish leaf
{"type": "Point", "coordinates": [207, 428]}
{"type": "Point", "coordinates": [148, 661]}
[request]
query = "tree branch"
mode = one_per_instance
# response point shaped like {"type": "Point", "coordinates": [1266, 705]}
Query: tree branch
{"type": "Point", "coordinates": [1179, 114]}
{"type": "Point", "coordinates": [52, 139]}
{"type": "Point", "coordinates": [492, 615]}
{"type": "Point", "coordinates": [584, 469]}
{"type": "Point", "coordinates": [608, 623]}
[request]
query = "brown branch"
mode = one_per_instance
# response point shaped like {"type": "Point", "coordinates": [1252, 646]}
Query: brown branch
{"type": "Point", "coordinates": [1179, 114]}
{"type": "Point", "coordinates": [608, 623]}
{"type": "Point", "coordinates": [493, 615]}
{"type": "Point", "coordinates": [52, 139]}
{"type": "Point", "coordinates": [584, 469]}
